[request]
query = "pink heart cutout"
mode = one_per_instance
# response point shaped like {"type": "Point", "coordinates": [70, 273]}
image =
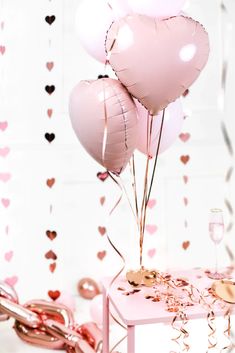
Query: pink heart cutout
{"type": "Point", "coordinates": [4, 151]}
{"type": "Point", "coordinates": [11, 281]}
{"type": "Point", "coordinates": [49, 112]}
{"type": "Point", "coordinates": [3, 125]}
{"type": "Point", "coordinates": [8, 255]}
{"type": "Point", "coordinates": [5, 202]}
{"type": "Point", "coordinates": [151, 253]}
{"type": "Point", "coordinates": [50, 65]}
{"type": "Point", "coordinates": [151, 203]}
{"type": "Point", "coordinates": [101, 255]}
{"type": "Point", "coordinates": [184, 136]}
{"type": "Point", "coordinates": [151, 228]}
{"type": "Point", "coordinates": [2, 49]}
{"type": "Point", "coordinates": [5, 177]}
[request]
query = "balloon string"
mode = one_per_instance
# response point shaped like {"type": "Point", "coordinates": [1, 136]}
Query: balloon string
{"type": "Point", "coordinates": [129, 202]}
{"type": "Point", "coordinates": [155, 165]}
{"type": "Point", "coordinates": [134, 185]}
{"type": "Point", "coordinates": [141, 228]}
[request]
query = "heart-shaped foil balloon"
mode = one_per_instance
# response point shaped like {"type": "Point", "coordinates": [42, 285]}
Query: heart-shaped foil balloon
{"type": "Point", "coordinates": [104, 118]}
{"type": "Point", "coordinates": [157, 60]}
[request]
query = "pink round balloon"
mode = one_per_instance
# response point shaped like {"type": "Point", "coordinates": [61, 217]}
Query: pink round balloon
{"type": "Point", "coordinates": [93, 19]}
{"type": "Point", "coordinates": [172, 125]}
{"type": "Point", "coordinates": [157, 8]}
{"type": "Point", "coordinates": [104, 118]}
{"type": "Point", "coordinates": [96, 310]}
{"type": "Point", "coordinates": [157, 60]}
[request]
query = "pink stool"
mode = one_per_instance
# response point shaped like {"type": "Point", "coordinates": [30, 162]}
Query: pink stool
{"type": "Point", "coordinates": [135, 309]}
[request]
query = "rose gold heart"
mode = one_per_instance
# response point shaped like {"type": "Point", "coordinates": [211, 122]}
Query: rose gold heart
{"type": "Point", "coordinates": [50, 182]}
{"type": "Point", "coordinates": [52, 267]}
{"type": "Point", "coordinates": [151, 228]}
{"type": "Point", "coordinates": [185, 201]}
{"type": "Point", "coordinates": [5, 202]}
{"type": "Point", "coordinates": [49, 112]}
{"type": "Point", "coordinates": [50, 255]}
{"type": "Point", "coordinates": [51, 234]}
{"type": "Point", "coordinates": [151, 253]}
{"type": "Point", "coordinates": [151, 203]}
{"type": "Point", "coordinates": [101, 255]}
{"type": "Point", "coordinates": [102, 175]}
{"type": "Point", "coordinates": [149, 277]}
{"type": "Point", "coordinates": [102, 230]}
{"type": "Point", "coordinates": [184, 136]}
{"type": "Point", "coordinates": [54, 294]}
{"type": "Point", "coordinates": [11, 281]}
{"type": "Point", "coordinates": [185, 177]}
{"type": "Point", "coordinates": [50, 65]}
{"type": "Point", "coordinates": [8, 255]}
{"type": "Point", "coordinates": [186, 244]}
{"type": "Point", "coordinates": [185, 159]}
{"type": "Point", "coordinates": [102, 200]}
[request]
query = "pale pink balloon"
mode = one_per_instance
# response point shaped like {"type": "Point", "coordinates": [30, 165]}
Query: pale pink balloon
{"type": "Point", "coordinates": [96, 310]}
{"type": "Point", "coordinates": [157, 8]}
{"type": "Point", "coordinates": [157, 60]}
{"type": "Point", "coordinates": [104, 118]}
{"type": "Point", "coordinates": [172, 125]}
{"type": "Point", "coordinates": [68, 300]}
{"type": "Point", "coordinates": [93, 19]}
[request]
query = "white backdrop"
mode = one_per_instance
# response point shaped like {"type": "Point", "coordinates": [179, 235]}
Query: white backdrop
{"type": "Point", "coordinates": [72, 206]}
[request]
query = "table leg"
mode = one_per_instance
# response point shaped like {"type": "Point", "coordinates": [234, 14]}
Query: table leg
{"type": "Point", "coordinates": [130, 339]}
{"type": "Point", "coordinates": [105, 322]}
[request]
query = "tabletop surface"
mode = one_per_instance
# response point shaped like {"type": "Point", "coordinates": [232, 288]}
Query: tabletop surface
{"type": "Point", "coordinates": [136, 309]}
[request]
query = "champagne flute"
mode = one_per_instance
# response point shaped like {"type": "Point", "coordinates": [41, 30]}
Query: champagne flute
{"type": "Point", "coordinates": [216, 231]}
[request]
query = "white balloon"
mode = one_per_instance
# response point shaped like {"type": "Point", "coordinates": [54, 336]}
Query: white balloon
{"type": "Point", "coordinates": [157, 8]}
{"type": "Point", "coordinates": [93, 19]}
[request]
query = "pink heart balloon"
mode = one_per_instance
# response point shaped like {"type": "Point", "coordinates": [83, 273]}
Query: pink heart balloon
{"type": "Point", "coordinates": [104, 118]}
{"type": "Point", "coordinates": [157, 60]}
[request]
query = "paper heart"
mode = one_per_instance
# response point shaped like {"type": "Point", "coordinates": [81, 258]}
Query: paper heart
{"type": "Point", "coordinates": [50, 19]}
{"type": "Point", "coordinates": [102, 200]}
{"type": "Point", "coordinates": [50, 65]}
{"type": "Point", "coordinates": [134, 278]}
{"type": "Point", "coordinates": [5, 177]}
{"type": "Point", "coordinates": [102, 230]}
{"type": "Point", "coordinates": [101, 255]}
{"type": "Point", "coordinates": [185, 201]}
{"type": "Point", "coordinates": [8, 255]}
{"type": "Point", "coordinates": [4, 151]}
{"type": "Point", "coordinates": [51, 234]}
{"type": "Point", "coordinates": [50, 89]}
{"type": "Point", "coordinates": [11, 281]}
{"type": "Point", "coordinates": [151, 253]}
{"type": "Point", "coordinates": [185, 178]}
{"type": "Point", "coordinates": [151, 203]}
{"type": "Point", "coordinates": [184, 136]}
{"type": "Point", "coordinates": [151, 228]}
{"type": "Point", "coordinates": [185, 245]}
{"type": "Point", "coordinates": [102, 175]}
{"type": "Point", "coordinates": [49, 112]}
{"type": "Point", "coordinates": [2, 49]}
{"type": "Point", "coordinates": [185, 159]}
{"type": "Point", "coordinates": [53, 294]}
{"type": "Point", "coordinates": [50, 255]}
{"type": "Point", "coordinates": [52, 267]}
{"type": "Point", "coordinates": [5, 202]}
{"type": "Point", "coordinates": [50, 182]}
{"type": "Point", "coordinates": [49, 137]}
{"type": "Point", "coordinates": [3, 125]}
{"type": "Point", "coordinates": [157, 60]}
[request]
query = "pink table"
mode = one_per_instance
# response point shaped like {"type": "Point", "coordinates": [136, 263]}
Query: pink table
{"type": "Point", "coordinates": [137, 310]}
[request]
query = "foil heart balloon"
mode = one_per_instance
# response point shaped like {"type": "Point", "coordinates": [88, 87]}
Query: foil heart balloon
{"type": "Point", "coordinates": [104, 118]}
{"type": "Point", "coordinates": [157, 60]}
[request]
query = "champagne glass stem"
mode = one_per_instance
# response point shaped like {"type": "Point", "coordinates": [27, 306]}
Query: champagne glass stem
{"type": "Point", "coordinates": [216, 259]}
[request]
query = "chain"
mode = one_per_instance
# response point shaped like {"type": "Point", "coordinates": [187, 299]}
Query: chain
{"type": "Point", "coordinates": [48, 324]}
